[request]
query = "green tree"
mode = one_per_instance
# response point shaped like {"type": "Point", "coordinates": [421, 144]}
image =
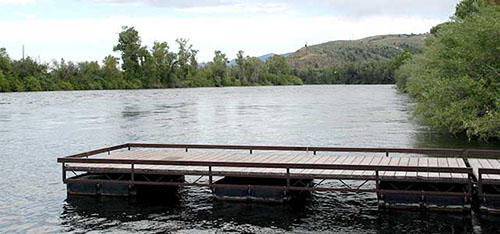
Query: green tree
{"type": "Point", "coordinates": [240, 61]}
{"type": "Point", "coordinates": [456, 81]}
{"type": "Point", "coordinates": [466, 8]}
{"type": "Point", "coordinates": [186, 60]}
{"type": "Point", "coordinates": [254, 69]}
{"type": "Point", "coordinates": [5, 71]}
{"type": "Point", "coordinates": [32, 84]}
{"type": "Point", "coordinates": [111, 73]}
{"type": "Point", "coordinates": [129, 44]}
{"type": "Point", "coordinates": [278, 64]}
{"type": "Point", "coordinates": [89, 76]}
{"type": "Point", "coordinates": [27, 67]}
{"type": "Point", "coordinates": [4, 83]}
{"type": "Point", "coordinates": [219, 70]}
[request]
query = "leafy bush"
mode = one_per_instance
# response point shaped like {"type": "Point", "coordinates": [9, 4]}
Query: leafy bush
{"type": "Point", "coordinates": [456, 81]}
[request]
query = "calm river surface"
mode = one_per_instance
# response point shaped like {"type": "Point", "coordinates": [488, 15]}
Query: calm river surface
{"type": "Point", "coordinates": [36, 128]}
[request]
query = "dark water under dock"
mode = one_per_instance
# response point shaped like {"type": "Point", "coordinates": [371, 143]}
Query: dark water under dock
{"type": "Point", "coordinates": [36, 128]}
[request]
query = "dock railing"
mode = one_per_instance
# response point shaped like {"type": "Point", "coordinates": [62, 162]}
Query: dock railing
{"type": "Point", "coordinates": [286, 167]}
{"type": "Point", "coordinates": [481, 181]}
{"type": "Point", "coordinates": [465, 153]}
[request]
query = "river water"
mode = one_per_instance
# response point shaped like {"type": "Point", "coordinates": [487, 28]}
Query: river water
{"type": "Point", "coordinates": [36, 128]}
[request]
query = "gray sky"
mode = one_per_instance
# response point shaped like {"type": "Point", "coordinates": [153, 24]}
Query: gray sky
{"type": "Point", "coordinates": [88, 29]}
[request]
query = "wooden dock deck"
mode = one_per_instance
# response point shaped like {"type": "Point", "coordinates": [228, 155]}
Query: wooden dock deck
{"type": "Point", "coordinates": [424, 179]}
{"type": "Point", "coordinates": [487, 174]}
{"type": "Point", "coordinates": [347, 165]}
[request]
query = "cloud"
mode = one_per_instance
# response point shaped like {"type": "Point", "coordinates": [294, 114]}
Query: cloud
{"type": "Point", "coordinates": [363, 8]}
{"type": "Point", "coordinates": [92, 39]}
{"type": "Point", "coordinates": [347, 8]}
{"type": "Point", "coordinates": [17, 2]}
{"type": "Point", "coordinates": [23, 15]}
{"type": "Point", "coordinates": [171, 3]}
{"type": "Point", "coordinates": [237, 8]}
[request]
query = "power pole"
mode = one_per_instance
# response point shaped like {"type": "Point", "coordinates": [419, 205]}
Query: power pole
{"type": "Point", "coordinates": [23, 52]}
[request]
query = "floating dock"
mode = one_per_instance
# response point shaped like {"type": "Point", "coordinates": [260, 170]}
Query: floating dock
{"type": "Point", "coordinates": [487, 172]}
{"type": "Point", "coordinates": [281, 174]}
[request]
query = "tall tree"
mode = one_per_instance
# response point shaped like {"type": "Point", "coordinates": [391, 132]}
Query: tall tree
{"type": "Point", "coordinates": [185, 58]}
{"type": "Point", "coordinates": [240, 61]}
{"type": "Point", "coordinates": [111, 73]}
{"type": "Point", "coordinates": [254, 69]}
{"type": "Point", "coordinates": [219, 68]}
{"type": "Point", "coordinates": [129, 44]}
{"type": "Point", "coordinates": [278, 65]}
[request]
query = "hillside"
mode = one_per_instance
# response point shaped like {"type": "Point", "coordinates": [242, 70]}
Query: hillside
{"type": "Point", "coordinates": [262, 58]}
{"type": "Point", "coordinates": [382, 47]}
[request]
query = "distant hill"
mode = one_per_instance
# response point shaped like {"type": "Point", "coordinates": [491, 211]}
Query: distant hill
{"type": "Point", "coordinates": [383, 47]}
{"type": "Point", "coordinates": [262, 58]}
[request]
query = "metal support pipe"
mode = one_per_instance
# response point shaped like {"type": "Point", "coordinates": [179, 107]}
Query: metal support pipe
{"type": "Point", "coordinates": [469, 186]}
{"type": "Point", "coordinates": [377, 185]}
{"type": "Point", "coordinates": [287, 178]}
{"type": "Point", "coordinates": [64, 172]}
{"type": "Point", "coordinates": [480, 183]}
{"type": "Point", "coordinates": [210, 175]}
{"type": "Point", "coordinates": [132, 172]}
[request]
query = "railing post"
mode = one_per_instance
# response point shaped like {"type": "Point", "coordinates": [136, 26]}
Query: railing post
{"type": "Point", "coordinates": [210, 175]}
{"type": "Point", "coordinates": [64, 172]}
{"type": "Point", "coordinates": [469, 186]}
{"type": "Point", "coordinates": [377, 185]}
{"type": "Point", "coordinates": [387, 153]}
{"type": "Point", "coordinates": [288, 178]}
{"type": "Point", "coordinates": [133, 173]}
{"type": "Point", "coordinates": [251, 151]}
{"type": "Point", "coordinates": [480, 184]}
{"type": "Point", "coordinates": [186, 149]}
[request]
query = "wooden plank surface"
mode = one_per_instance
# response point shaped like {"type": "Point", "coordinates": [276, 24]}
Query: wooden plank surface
{"type": "Point", "coordinates": [477, 163]}
{"type": "Point", "coordinates": [293, 158]}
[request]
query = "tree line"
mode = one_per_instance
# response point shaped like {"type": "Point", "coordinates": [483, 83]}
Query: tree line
{"type": "Point", "coordinates": [456, 80]}
{"type": "Point", "coordinates": [143, 67]}
{"type": "Point", "coordinates": [368, 72]}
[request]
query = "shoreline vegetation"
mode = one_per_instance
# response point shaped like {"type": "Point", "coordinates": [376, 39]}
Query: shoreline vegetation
{"type": "Point", "coordinates": [455, 81]}
{"type": "Point", "coordinates": [143, 68]}
{"type": "Point", "coordinates": [140, 67]}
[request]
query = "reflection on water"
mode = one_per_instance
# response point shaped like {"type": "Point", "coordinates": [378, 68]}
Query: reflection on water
{"type": "Point", "coordinates": [324, 212]}
{"type": "Point", "coordinates": [36, 128]}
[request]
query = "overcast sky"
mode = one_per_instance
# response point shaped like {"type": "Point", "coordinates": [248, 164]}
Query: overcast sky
{"type": "Point", "coordinates": [87, 29]}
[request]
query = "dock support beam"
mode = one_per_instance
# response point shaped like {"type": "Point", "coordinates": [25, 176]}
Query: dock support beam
{"type": "Point", "coordinates": [64, 172]}
{"type": "Point", "coordinates": [132, 175]}
{"type": "Point", "coordinates": [377, 185]}
{"type": "Point", "coordinates": [210, 179]}
{"type": "Point", "coordinates": [288, 179]}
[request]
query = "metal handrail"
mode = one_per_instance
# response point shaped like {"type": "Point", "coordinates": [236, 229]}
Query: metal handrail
{"type": "Point", "coordinates": [457, 152]}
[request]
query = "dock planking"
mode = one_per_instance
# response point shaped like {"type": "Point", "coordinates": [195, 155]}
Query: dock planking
{"type": "Point", "coordinates": [296, 158]}
{"type": "Point", "coordinates": [477, 164]}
